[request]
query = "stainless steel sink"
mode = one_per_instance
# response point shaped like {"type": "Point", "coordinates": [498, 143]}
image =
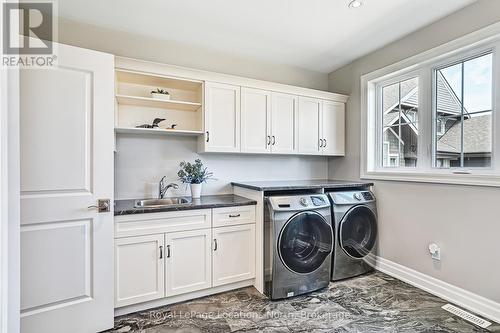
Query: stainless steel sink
{"type": "Point", "coordinates": [159, 203]}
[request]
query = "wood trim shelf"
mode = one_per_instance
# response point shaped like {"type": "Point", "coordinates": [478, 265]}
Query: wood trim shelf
{"type": "Point", "coordinates": [156, 131]}
{"type": "Point", "coordinates": [157, 103]}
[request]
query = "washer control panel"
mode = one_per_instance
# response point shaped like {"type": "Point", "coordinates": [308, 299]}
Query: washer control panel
{"type": "Point", "coordinates": [299, 202]}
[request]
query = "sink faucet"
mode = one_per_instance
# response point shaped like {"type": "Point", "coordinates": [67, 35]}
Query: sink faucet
{"type": "Point", "coordinates": [162, 188]}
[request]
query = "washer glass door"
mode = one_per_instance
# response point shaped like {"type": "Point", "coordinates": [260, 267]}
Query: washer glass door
{"type": "Point", "coordinates": [358, 232]}
{"type": "Point", "coordinates": [305, 242]}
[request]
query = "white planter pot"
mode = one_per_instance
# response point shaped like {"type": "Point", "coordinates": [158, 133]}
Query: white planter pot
{"type": "Point", "coordinates": [160, 96]}
{"type": "Point", "coordinates": [196, 190]}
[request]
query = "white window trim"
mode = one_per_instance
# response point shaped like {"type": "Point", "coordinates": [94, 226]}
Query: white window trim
{"type": "Point", "coordinates": [470, 44]}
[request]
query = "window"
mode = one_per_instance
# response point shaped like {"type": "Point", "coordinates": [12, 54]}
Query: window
{"type": "Point", "coordinates": [463, 111]}
{"type": "Point", "coordinates": [400, 123]}
{"type": "Point", "coordinates": [432, 117]}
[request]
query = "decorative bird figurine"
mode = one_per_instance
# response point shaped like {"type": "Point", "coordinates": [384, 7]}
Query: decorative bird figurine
{"type": "Point", "coordinates": [155, 123]}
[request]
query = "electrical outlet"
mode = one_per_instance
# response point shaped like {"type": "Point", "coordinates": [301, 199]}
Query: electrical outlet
{"type": "Point", "coordinates": [435, 251]}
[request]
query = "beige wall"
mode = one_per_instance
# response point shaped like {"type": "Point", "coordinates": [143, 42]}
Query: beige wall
{"type": "Point", "coordinates": [169, 52]}
{"type": "Point", "coordinates": [463, 220]}
{"type": "Point", "coordinates": [142, 160]}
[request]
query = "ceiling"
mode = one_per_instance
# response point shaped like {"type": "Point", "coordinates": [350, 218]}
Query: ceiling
{"type": "Point", "coordinates": [319, 35]}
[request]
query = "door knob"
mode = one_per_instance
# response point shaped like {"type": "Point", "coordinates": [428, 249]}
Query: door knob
{"type": "Point", "coordinates": [103, 206]}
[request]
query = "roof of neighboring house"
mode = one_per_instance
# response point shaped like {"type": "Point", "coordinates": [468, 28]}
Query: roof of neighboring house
{"type": "Point", "coordinates": [477, 136]}
{"type": "Point", "coordinates": [447, 100]}
{"type": "Point", "coordinates": [391, 93]}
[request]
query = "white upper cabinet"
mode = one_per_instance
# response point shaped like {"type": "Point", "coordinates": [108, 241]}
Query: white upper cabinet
{"type": "Point", "coordinates": [284, 122]}
{"type": "Point", "coordinates": [333, 128]}
{"type": "Point", "coordinates": [229, 114]}
{"type": "Point", "coordinates": [268, 122]}
{"type": "Point", "coordinates": [309, 126]}
{"type": "Point", "coordinates": [255, 121]}
{"type": "Point", "coordinates": [222, 118]}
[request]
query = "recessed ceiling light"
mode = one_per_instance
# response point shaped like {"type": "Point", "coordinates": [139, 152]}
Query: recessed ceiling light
{"type": "Point", "coordinates": [355, 4]}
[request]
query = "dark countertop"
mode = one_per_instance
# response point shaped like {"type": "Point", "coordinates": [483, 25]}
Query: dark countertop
{"type": "Point", "coordinates": [282, 185]}
{"type": "Point", "coordinates": [126, 207]}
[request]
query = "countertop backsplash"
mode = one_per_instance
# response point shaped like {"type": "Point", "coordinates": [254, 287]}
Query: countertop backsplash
{"type": "Point", "coordinates": [140, 162]}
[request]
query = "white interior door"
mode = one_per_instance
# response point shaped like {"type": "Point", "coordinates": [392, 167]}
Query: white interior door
{"type": "Point", "coordinates": [309, 130]}
{"type": "Point", "coordinates": [284, 123]}
{"type": "Point", "coordinates": [233, 254]}
{"type": "Point", "coordinates": [333, 128]}
{"type": "Point", "coordinates": [66, 166]}
{"type": "Point", "coordinates": [189, 264]}
{"type": "Point", "coordinates": [222, 117]}
{"type": "Point", "coordinates": [139, 269]}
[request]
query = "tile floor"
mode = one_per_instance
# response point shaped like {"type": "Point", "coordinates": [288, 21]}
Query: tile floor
{"type": "Point", "coordinates": [370, 303]}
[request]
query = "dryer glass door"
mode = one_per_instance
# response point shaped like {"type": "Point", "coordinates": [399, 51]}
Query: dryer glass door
{"type": "Point", "coordinates": [358, 232]}
{"type": "Point", "coordinates": [305, 242]}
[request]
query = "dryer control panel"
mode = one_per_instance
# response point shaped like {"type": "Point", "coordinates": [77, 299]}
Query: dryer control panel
{"type": "Point", "coordinates": [351, 197]}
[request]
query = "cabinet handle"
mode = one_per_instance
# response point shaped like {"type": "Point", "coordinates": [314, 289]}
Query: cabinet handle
{"type": "Point", "coordinates": [320, 143]}
{"type": "Point", "coordinates": [235, 215]}
{"type": "Point", "coordinates": [215, 244]}
{"type": "Point", "coordinates": [268, 140]}
{"type": "Point", "coordinates": [208, 136]}
{"type": "Point", "coordinates": [161, 251]}
{"type": "Point", "coordinates": [274, 140]}
{"type": "Point", "coordinates": [168, 251]}
{"type": "Point", "coordinates": [324, 143]}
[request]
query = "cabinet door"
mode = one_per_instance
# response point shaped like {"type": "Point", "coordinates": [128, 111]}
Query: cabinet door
{"type": "Point", "coordinates": [233, 254]}
{"type": "Point", "coordinates": [188, 261]}
{"type": "Point", "coordinates": [284, 123]}
{"type": "Point", "coordinates": [333, 127]}
{"type": "Point", "coordinates": [139, 269]}
{"type": "Point", "coordinates": [255, 121]}
{"type": "Point", "coordinates": [222, 117]}
{"type": "Point", "coordinates": [309, 121]}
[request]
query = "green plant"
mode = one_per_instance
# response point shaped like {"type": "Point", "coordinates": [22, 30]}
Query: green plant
{"type": "Point", "coordinates": [160, 91]}
{"type": "Point", "coordinates": [193, 173]}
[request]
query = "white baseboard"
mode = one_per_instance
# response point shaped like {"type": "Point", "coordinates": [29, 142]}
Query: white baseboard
{"type": "Point", "coordinates": [461, 297]}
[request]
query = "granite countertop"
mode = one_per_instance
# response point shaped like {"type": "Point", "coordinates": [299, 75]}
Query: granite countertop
{"type": "Point", "coordinates": [126, 207]}
{"type": "Point", "coordinates": [300, 184]}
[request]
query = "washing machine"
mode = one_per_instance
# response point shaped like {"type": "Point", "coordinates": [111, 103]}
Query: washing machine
{"type": "Point", "coordinates": [355, 229]}
{"type": "Point", "coordinates": [298, 242]}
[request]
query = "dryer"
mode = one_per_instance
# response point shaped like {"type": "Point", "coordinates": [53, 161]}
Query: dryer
{"type": "Point", "coordinates": [355, 230]}
{"type": "Point", "coordinates": [298, 240]}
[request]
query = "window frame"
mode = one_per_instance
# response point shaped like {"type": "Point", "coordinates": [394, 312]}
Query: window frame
{"type": "Point", "coordinates": [424, 66]}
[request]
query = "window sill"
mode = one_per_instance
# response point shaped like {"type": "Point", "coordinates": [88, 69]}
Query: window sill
{"type": "Point", "coordinates": [490, 180]}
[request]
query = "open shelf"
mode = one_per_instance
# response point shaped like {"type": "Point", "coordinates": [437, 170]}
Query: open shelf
{"type": "Point", "coordinates": [135, 105]}
{"type": "Point", "coordinates": [156, 131]}
{"type": "Point", "coordinates": [157, 103]}
{"type": "Point", "coordinates": [149, 79]}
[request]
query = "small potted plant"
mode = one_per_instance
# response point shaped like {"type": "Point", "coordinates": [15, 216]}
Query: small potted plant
{"type": "Point", "coordinates": [160, 94]}
{"type": "Point", "coordinates": [194, 174]}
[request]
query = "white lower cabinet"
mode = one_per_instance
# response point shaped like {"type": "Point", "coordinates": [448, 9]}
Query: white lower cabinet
{"type": "Point", "coordinates": [173, 262]}
{"type": "Point", "coordinates": [233, 254]}
{"type": "Point", "coordinates": [139, 269]}
{"type": "Point", "coordinates": [188, 261]}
